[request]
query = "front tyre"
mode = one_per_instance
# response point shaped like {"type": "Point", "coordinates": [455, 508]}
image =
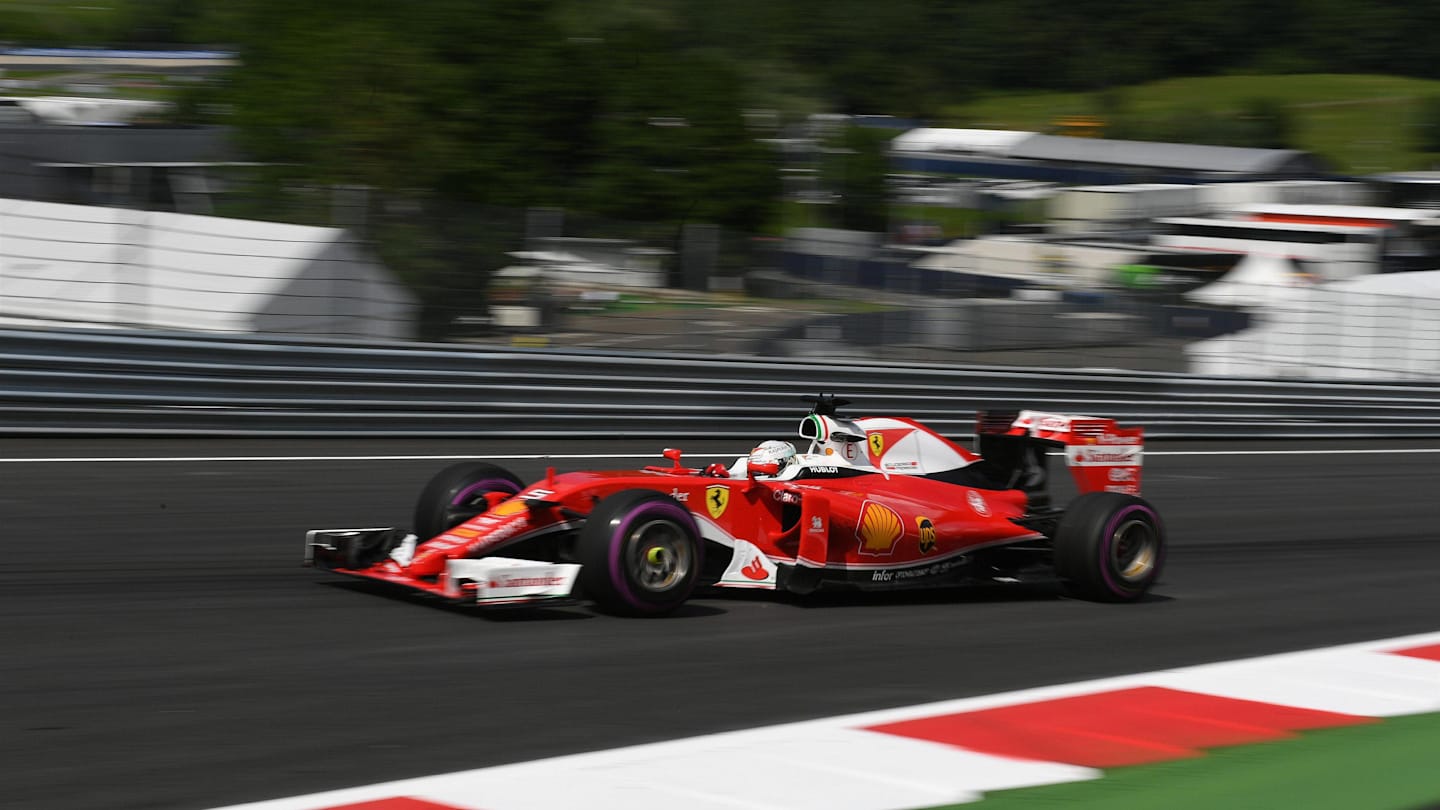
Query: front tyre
{"type": "Point", "coordinates": [640, 554]}
{"type": "Point", "coordinates": [458, 493]}
{"type": "Point", "coordinates": [1109, 547]}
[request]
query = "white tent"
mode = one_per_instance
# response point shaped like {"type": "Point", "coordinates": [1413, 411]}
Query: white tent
{"type": "Point", "coordinates": [1373, 327]}
{"type": "Point", "coordinates": [76, 264]}
{"type": "Point", "coordinates": [68, 110]}
{"type": "Point", "coordinates": [1257, 280]}
{"type": "Point", "coordinates": [966, 141]}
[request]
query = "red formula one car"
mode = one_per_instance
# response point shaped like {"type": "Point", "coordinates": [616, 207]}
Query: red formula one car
{"type": "Point", "coordinates": [872, 502]}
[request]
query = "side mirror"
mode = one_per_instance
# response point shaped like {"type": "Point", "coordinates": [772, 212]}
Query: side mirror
{"type": "Point", "coordinates": [673, 453]}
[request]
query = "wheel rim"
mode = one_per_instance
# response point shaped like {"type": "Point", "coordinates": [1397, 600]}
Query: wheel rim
{"type": "Point", "coordinates": [659, 555]}
{"type": "Point", "coordinates": [1133, 550]}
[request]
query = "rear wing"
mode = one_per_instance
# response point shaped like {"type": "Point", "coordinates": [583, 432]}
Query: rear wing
{"type": "Point", "coordinates": [1101, 455]}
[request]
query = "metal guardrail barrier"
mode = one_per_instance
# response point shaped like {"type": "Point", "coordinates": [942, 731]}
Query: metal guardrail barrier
{"type": "Point", "coordinates": [74, 382]}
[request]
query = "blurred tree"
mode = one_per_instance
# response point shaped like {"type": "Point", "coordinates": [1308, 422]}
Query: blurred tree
{"type": "Point", "coordinates": [1268, 124]}
{"type": "Point", "coordinates": [496, 104]}
{"type": "Point", "coordinates": [1427, 124]}
{"type": "Point", "coordinates": [445, 106]}
{"type": "Point", "coordinates": [855, 167]}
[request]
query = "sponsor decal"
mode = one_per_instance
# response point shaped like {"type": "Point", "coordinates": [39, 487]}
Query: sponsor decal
{"type": "Point", "coordinates": [1053, 423]}
{"type": "Point", "coordinates": [933, 570]}
{"type": "Point", "coordinates": [682, 497]}
{"type": "Point", "coordinates": [825, 470]}
{"type": "Point", "coordinates": [1102, 456]}
{"type": "Point", "coordinates": [748, 568]}
{"type": "Point", "coordinates": [1128, 489]}
{"type": "Point", "coordinates": [880, 442]}
{"type": "Point", "coordinates": [1121, 474]}
{"type": "Point", "coordinates": [817, 525]}
{"type": "Point", "coordinates": [1110, 438]}
{"type": "Point", "coordinates": [457, 537]}
{"type": "Point", "coordinates": [927, 534]}
{"type": "Point", "coordinates": [878, 529]}
{"type": "Point", "coordinates": [902, 465]}
{"type": "Point", "coordinates": [786, 496]}
{"type": "Point", "coordinates": [506, 532]}
{"type": "Point", "coordinates": [850, 451]}
{"type": "Point", "coordinates": [717, 498]}
{"type": "Point", "coordinates": [977, 502]}
{"type": "Point", "coordinates": [755, 570]}
{"type": "Point", "coordinates": [527, 582]}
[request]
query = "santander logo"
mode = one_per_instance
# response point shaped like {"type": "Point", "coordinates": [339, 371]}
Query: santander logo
{"type": "Point", "coordinates": [755, 570]}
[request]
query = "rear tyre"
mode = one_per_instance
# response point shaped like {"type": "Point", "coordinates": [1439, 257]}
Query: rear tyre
{"type": "Point", "coordinates": [457, 493]}
{"type": "Point", "coordinates": [1109, 547]}
{"type": "Point", "coordinates": [640, 554]}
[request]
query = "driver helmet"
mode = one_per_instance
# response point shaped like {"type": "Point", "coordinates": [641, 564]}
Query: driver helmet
{"type": "Point", "coordinates": [774, 451]}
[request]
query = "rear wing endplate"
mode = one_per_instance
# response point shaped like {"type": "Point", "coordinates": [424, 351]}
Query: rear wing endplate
{"type": "Point", "coordinates": [1102, 455]}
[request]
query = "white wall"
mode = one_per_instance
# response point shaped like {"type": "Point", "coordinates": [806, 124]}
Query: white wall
{"type": "Point", "coordinates": [71, 264]}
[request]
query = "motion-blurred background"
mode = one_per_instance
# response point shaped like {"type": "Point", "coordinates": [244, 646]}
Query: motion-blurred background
{"type": "Point", "coordinates": [1207, 187]}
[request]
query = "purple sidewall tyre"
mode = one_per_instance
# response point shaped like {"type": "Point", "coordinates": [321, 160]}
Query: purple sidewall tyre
{"type": "Point", "coordinates": [620, 538]}
{"type": "Point", "coordinates": [607, 556]}
{"type": "Point", "coordinates": [1107, 541]}
{"type": "Point", "coordinates": [481, 487]}
{"type": "Point", "coordinates": [442, 501]}
{"type": "Point", "coordinates": [1086, 556]}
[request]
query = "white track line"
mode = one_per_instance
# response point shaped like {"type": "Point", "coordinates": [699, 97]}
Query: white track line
{"type": "Point", "coordinates": [467, 457]}
{"type": "Point", "coordinates": [654, 456]}
{"type": "Point", "coordinates": [837, 763]}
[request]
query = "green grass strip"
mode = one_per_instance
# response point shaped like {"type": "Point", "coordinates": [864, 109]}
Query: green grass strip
{"type": "Point", "coordinates": [1392, 764]}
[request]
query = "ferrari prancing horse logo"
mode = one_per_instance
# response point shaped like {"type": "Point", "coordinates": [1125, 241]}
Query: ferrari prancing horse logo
{"type": "Point", "coordinates": [716, 499]}
{"type": "Point", "coordinates": [877, 444]}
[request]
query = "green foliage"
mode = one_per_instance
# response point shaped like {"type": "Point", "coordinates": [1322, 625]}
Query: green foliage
{"type": "Point", "coordinates": [1267, 124]}
{"type": "Point", "coordinates": [1427, 124]}
{"type": "Point", "coordinates": [57, 24]}
{"type": "Point", "coordinates": [854, 168]}
{"type": "Point", "coordinates": [631, 109]}
{"type": "Point", "coordinates": [1358, 123]}
{"type": "Point", "coordinates": [119, 22]}
{"type": "Point", "coordinates": [457, 116]}
{"type": "Point", "coordinates": [497, 104]}
{"type": "Point", "coordinates": [1258, 123]}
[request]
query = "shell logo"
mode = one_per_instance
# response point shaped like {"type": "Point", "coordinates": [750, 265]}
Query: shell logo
{"type": "Point", "coordinates": [878, 529]}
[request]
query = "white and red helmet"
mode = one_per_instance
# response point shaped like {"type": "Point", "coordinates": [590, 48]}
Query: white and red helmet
{"type": "Point", "coordinates": [774, 451]}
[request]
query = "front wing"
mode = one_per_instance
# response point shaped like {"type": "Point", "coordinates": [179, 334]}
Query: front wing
{"type": "Point", "coordinates": [486, 581]}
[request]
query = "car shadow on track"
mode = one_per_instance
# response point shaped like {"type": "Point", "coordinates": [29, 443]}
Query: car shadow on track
{"type": "Point", "coordinates": [707, 607]}
{"type": "Point", "coordinates": [569, 611]}
{"type": "Point", "coordinates": [974, 594]}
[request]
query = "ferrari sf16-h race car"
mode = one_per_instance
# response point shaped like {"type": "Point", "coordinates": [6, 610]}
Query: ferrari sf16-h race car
{"type": "Point", "coordinates": [873, 503]}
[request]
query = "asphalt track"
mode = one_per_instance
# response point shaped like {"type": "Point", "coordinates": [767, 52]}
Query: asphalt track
{"type": "Point", "coordinates": [162, 648]}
